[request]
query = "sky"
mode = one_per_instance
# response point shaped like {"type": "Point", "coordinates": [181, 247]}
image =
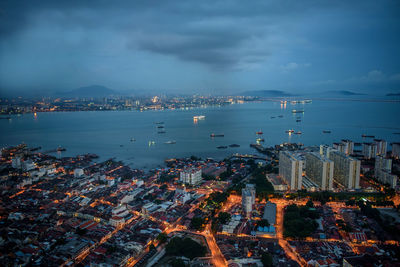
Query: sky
{"type": "Point", "coordinates": [208, 46]}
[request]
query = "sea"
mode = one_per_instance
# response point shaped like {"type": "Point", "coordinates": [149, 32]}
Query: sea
{"type": "Point", "coordinates": [133, 136]}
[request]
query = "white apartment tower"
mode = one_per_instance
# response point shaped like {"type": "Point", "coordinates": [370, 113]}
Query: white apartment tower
{"type": "Point", "coordinates": [291, 169]}
{"type": "Point", "coordinates": [248, 198]}
{"type": "Point", "coordinates": [191, 176]}
{"type": "Point", "coordinates": [319, 169]}
{"type": "Point", "coordinates": [346, 170]}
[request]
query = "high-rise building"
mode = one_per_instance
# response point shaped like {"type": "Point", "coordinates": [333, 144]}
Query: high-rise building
{"type": "Point", "coordinates": [324, 150]}
{"type": "Point", "coordinates": [396, 150]}
{"type": "Point", "coordinates": [369, 150]}
{"type": "Point", "coordinates": [339, 147]}
{"type": "Point", "coordinates": [383, 171]}
{"type": "Point", "coordinates": [291, 169]}
{"type": "Point", "coordinates": [346, 170]}
{"type": "Point", "coordinates": [248, 198]}
{"type": "Point", "coordinates": [381, 147]}
{"type": "Point", "coordinates": [348, 146]}
{"type": "Point", "coordinates": [191, 176]}
{"type": "Point", "coordinates": [319, 169]}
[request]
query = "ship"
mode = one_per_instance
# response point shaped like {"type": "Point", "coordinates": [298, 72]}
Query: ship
{"type": "Point", "coordinates": [222, 147]}
{"type": "Point", "coordinates": [289, 131]}
{"type": "Point", "coordinates": [159, 122]}
{"type": "Point", "coordinates": [200, 117]}
{"type": "Point", "coordinates": [259, 132]}
{"type": "Point", "coordinates": [326, 131]}
{"type": "Point", "coordinates": [368, 136]}
{"type": "Point", "coordinates": [59, 149]}
{"type": "Point", "coordinates": [260, 140]}
{"type": "Point", "coordinates": [298, 120]}
{"type": "Point", "coordinates": [216, 135]}
{"type": "Point", "coordinates": [5, 118]}
{"type": "Point", "coordinates": [234, 145]}
{"type": "Point", "coordinates": [133, 139]}
{"type": "Point", "coordinates": [170, 142]}
{"type": "Point", "coordinates": [298, 132]}
{"type": "Point", "coordinates": [272, 117]}
{"type": "Point", "coordinates": [161, 132]}
{"type": "Point", "coordinates": [160, 126]}
{"type": "Point", "coordinates": [280, 116]}
{"type": "Point", "coordinates": [297, 111]}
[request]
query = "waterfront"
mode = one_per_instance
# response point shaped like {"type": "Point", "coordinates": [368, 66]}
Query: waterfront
{"type": "Point", "coordinates": [109, 133]}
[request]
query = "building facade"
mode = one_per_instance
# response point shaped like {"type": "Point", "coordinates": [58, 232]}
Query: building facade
{"type": "Point", "coordinates": [248, 199]}
{"type": "Point", "coordinates": [319, 169]}
{"type": "Point", "coordinates": [383, 171]}
{"type": "Point", "coordinates": [346, 170]}
{"type": "Point", "coordinates": [291, 169]}
{"type": "Point", "coordinates": [191, 176]}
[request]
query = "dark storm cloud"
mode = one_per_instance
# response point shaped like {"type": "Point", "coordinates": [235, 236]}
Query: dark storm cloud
{"type": "Point", "coordinates": [191, 44]}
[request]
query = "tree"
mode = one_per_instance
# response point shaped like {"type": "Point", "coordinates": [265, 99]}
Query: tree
{"type": "Point", "coordinates": [175, 262]}
{"type": "Point", "coordinates": [197, 223]}
{"type": "Point", "coordinates": [224, 217]}
{"type": "Point", "coordinates": [187, 247]}
{"type": "Point", "coordinates": [266, 259]}
{"type": "Point", "coordinates": [162, 238]}
{"type": "Point", "coordinates": [263, 223]}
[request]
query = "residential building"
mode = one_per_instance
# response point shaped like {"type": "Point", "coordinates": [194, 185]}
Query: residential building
{"type": "Point", "coordinates": [291, 169]}
{"type": "Point", "coordinates": [270, 212]}
{"type": "Point", "coordinates": [346, 170]}
{"type": "Point", "coordinates": [248, 198]}
{"type": "Point", "coordinates": [369, 150]}
{"type": "Point", "coordinates": [319, 169]}
{"type": "Point", "coordinates": [191, 176]}
{"type": "Point", "coordinates": [383, 171]}
{"type": "Point", "coordinates": [396, 150]}
{"type": "Point", "coordinates": [381, 147]}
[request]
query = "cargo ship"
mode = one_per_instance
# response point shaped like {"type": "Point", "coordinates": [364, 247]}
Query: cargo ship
{"type": "Point", "coordinates": [289, 131]}
{"type": "Point", "coordinates": [297, 111]}
{"type": "Point", "coordinates": [368, 136]}
{"type": "Point", "coordinates": [222, 147]}
{"type": "Point", "coordinates": [170, 142]}
{"type": "Point", "coordinates": [259, 132]}
{"type": "Point", "coordinates": [216, 135]}
{"type": "Point", "coordinates": [234, 145]}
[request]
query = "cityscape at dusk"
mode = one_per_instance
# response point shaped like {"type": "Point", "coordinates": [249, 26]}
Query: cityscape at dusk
{"type": "Point", "coordinates": [200, 133]}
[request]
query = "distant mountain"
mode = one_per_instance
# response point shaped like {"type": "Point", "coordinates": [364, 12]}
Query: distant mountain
{"type": "Point", "coordinates": [393, 94]}
{"type": "Point", "coordinates": [266, 93]}
{"type": "Point", "coordinates": [344, 92]}
{"type": "Point", "coordinates": [89, 91]}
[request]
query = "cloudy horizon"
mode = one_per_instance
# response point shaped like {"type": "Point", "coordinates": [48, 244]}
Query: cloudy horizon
{"type": "Point", "coordinates": [200, 46]}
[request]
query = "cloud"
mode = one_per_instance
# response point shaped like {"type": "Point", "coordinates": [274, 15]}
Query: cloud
{"type": "Point", "coordinates": [294, 66]}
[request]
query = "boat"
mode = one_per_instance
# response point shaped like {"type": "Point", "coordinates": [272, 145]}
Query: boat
{"type": "Point", "coordinates": [159, 122]}
{"type": "Point", "coordinates": [289, 131]}
{"type": "Point", "coordinates": [260, 140]}
{"type": "Point", "coordinates": [161, 132]}
{"type": "Point", "coordinates": [368, 136]}
{"type": "Point", "coordinates": [326, 131]}
{"type": "Point", "coordinates": [298, 132]}
{"type": "Point", "coordinates": [216, 135]}
{"type": "Point", "coordinates": [297, 111]}
{"type": "Point", "coordinates": [222, 147]}
{"type": "Point", "coordinates": [200, 117]}
{"type": "Point", "coordinates": [234, 145]}
{"type": "Point", "coordinates": [298, 120]}
{"type": "Point", "coordinates": [259, 132]}
{"type": "Point", "coordinates": [133, 139]}
{"type": "Point", "coordinates": [170, 142]}
{"type": "Point", "coordinates": [272, 117]}
{"type": "Point", "coordinates": [59, 149]}
{"type": "Point", "coordinates": [160, 126]}
{"type": "Point", "coordinates": [280, 116]}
